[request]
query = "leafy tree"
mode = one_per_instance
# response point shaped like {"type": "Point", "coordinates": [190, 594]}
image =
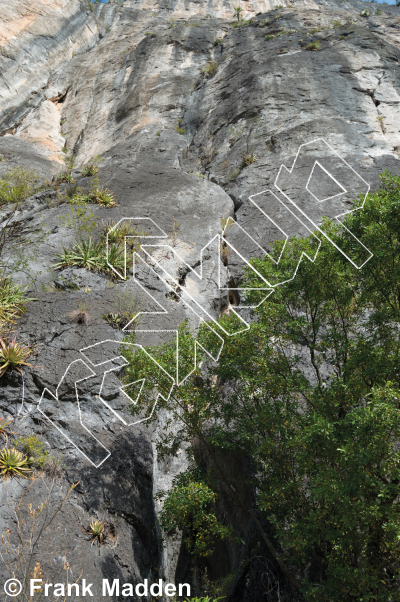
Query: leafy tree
{"type": "Point", "coordinates": [187, 507]}
{"type": "Point", "coordinates": [310, 393]}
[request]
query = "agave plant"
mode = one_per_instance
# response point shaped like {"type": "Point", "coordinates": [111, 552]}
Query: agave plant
{"type": "Point", "coordinates": [13, 355]}
{"type": "Point", "coordinates": [89, 170]}
{"type": "Point", "coordinates": [102, 196]}
{"type": "Point", "coordinates": [96, 530]}
{"type": "Point", "coordinates": [85, 254]}
{"type": "Point", "coordinates": [116, 258]}
{"type": "Point", "coordinates": [13, 462]}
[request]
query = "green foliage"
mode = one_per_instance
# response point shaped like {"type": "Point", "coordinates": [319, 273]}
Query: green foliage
{"type": "Point", "coordinates": [313, 45]}
{"type": "Point", "coordinates": [12, 301]}
{"type": "Point", "coordinates": [242, 23]}
{"type": "Point", "coordinates": [187, 508]}
{"type": "Point", "coordinates": [13, 355]}
{"type": "Point", "coordinates": [310, 393]}
{"type": "Point", "coordinates": [90, 169]}
{"type": "Point", "coordinates": [17, 185]}
{"type": "Point", "coordinates": [238, 11]}
{"type": "Point", "coordinates": [80, 218]}
{"type": "Point", "coordinates": [32, 447]}
{"type": "Point", "coordinates": [65, 176]}
{"type": "Point", "coordinates": [313, 31]}
{"type": "Point", "coordinates": [92, 256]}
{"type": "Point", "coordinates": [14, 463]}
{"type": "Point", "coordinates": [96, 531]}
{"type": "Point", "coordinates": [97, 194]}
{"type": "Point", "coordinates": [127, 307]}
{"type": "Point", "coordinates": [217, 41]}
{"type": "Point", "coordinates": [233, 174]}
{"type": "Point", "coordinates": [102, 196]}
{"type": "Point", "coordinates": [269, 36]}
{"type": "Point", "coordinates": [180, 130]}
{"type": "Point", "coordinates": [248, 159]}
{"type": "Point", "coordinates": [210, 69]}
{"type": "Point", "coordinates": [78, 197]}
{"type": "Point", "coordinates": [80, 315]}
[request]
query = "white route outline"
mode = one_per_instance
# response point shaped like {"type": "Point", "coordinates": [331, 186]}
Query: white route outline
{"type": "Point", "coordinates": [168, 278]}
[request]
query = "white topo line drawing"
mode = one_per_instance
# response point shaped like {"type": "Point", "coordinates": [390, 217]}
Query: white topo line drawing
{"type": "Point", "coordinates": [302, 196]}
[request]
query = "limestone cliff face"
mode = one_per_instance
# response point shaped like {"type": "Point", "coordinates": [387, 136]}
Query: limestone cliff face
{"type": "Point", "coordinates": [191, 116]}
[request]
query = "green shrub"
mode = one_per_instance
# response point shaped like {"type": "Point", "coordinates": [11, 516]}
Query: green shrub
{"type": "Point", "coordinates": [32, 447]}
{"type": "Point", "coordinates": [269, 36]}
{"type": "Point", "coordinates": [186, 507]}
{"type": "Point", "coordinates": [91, 169]}
{"type": "Point", "coordinates": [65, 176]}
{"type": "Point", "coordinates": [313, 45]}
{"type": "Point", "coordinates": [12, 301]}
{"type": "Point", "coordinates": [210, 69]}
{"type": "Point", "coordinates": [91, 256]}
{"type": "Point", "coordinates": [17, 185]}
{"type": "Point", "coordinates": [248, 159]}
{"type": "Point", "coordinates": [102, 196]}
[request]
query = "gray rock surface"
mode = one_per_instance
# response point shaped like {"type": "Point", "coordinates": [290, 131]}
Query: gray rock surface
{"type": "Point", "coordinates": [192, 119]}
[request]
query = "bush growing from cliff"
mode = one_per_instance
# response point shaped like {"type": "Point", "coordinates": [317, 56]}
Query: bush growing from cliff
{"type": "Point", "coordinates": [187, 507]}
{"type": "Point", "coordinates": [92, 256]}
{"type": "Point", "coordinates": [17, 185]}
{"type": "Point", "coordinates": [12, 301]}
{"type": "Point", "coordinates": [310, 394]}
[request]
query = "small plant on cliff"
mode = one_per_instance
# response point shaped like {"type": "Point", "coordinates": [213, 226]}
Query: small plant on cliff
{"type": "Point", "coordinates": [65, 176]}
{"type": "Point", "coordinates": [12, 301]}
{"type": "Point", "coordinates": [92, 256]}
{"type": "Point", "coordinates": [96, 531]}
{"type": "Point", "coordinates": [80, 315]}
{"type": "Point", "coordinates": [13, 355]}
{"type": "Point", "coordinates": [14, 463]}
{"type": "Point", "coordinates": [238, 11]}
{"type": "Point", "coordinates": [127, 306]}
{"type": "Point", "coordinates": [248, 159]}
{"type": "Point", "coordinates": [85, 254]}
{"type": "Point", "coordinates": [32, 447]}
{"type": "Point", "coordinates": [313, 45]}
{"type": "Point", "coordinates": [102, 196]}
{"type": "Point", "coordinates": [210, 69]}
{"type": "Point", "coordinates": [17, 185]}
{"type": "Point", "coordinates": [91, 169]}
